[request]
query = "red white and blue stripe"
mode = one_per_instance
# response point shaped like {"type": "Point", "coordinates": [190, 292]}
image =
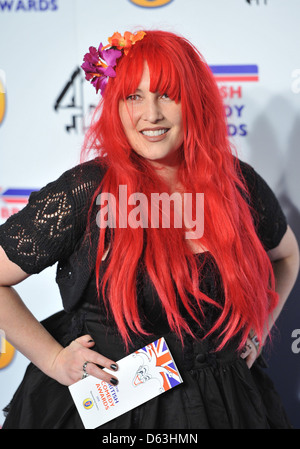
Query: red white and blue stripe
{"type": "Point", "coordinates": [16, 195]}
{"type": "Point", "coordinates": [235, 73]}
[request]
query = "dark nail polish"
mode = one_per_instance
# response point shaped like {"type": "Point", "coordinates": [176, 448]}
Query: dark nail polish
{"type": "Point", "coordinates": [114, 381]}
{"type": "Point", "coordinates": [114, 366]}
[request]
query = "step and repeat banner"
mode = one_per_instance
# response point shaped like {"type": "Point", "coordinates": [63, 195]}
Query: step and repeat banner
{"type": "Point", "coordinates": [253, 49]}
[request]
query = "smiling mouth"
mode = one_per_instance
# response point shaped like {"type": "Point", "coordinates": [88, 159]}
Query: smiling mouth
{"type": "Point", "coordinates": [155, 132]}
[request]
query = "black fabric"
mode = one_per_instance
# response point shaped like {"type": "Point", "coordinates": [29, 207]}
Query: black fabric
{"type": "Point", "coordinates": [267, 214]}
{"type": "Point", "coordinates": [219, 391]}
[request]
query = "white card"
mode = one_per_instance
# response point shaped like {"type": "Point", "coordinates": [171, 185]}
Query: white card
{"type": "Point", "coordinates": [142, 376]}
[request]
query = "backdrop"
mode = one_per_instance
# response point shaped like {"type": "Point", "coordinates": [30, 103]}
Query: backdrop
{"type": "Point", "coordinates": [253, 49]}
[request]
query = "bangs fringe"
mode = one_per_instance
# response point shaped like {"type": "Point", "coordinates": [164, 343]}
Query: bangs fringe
{"type": "Point", "coordinates": [164, 76]}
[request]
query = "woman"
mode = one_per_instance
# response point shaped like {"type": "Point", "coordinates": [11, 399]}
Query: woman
{"type": "Point", "coordinates": [160, 128]}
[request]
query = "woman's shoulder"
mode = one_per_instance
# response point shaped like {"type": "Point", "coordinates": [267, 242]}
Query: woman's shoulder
{"type": "Point", "coordinates": [268, 215]}
{"type": "Point", "coordinates": [254, 182]}
{"type": "Point", "coordinates": [88, 171]}
{"type": "Point", "coordinates": [246, 171]}
{"type": "Point", "coordinates": [54, 219]}
{"type": "Point", "coordinates": [83, 179]}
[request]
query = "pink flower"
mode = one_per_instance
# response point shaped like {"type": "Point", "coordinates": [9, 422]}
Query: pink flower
{"type": "Point", "coordinates": [99, 66]}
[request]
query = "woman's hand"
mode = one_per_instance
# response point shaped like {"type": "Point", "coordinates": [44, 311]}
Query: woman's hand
{"type": "Point", "coordinates": [67, 367]}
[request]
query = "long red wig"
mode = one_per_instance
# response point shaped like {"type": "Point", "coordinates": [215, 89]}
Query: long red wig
{"type": "Point", "coordinates": [206, 165]}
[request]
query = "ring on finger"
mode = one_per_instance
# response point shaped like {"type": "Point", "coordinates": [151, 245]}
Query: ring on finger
{"type": "Point", "coordinates": [85, 374]}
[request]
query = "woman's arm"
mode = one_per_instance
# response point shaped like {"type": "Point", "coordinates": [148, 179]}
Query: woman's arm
{"type": "Point", "coordinates": [28, 336]}
{"type": "Point", "coordinates": [285, 261]}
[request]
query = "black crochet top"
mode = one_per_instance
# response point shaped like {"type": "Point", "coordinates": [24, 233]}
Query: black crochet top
{"type": "Point", "coordinates": [50, 228]}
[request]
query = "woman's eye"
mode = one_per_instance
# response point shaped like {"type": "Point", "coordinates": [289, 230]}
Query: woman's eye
{"type": "Point", "coordinates": [165, 96]}
{"type": "Point", "coordinates": [134, 97]}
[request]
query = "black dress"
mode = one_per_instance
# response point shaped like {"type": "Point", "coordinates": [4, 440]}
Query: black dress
{"type": "Point", "coordinates": [218, 389]}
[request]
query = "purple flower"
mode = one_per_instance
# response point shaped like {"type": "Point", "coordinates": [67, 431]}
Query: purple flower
{"type": "Point", "coordinates": [99, 66]}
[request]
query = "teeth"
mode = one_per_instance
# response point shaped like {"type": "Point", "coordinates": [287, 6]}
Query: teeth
{"type": "Point", "coordinates": [155, 133]}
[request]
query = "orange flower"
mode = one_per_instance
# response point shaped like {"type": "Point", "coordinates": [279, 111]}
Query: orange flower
{"type": "Point", "coordinates": [124, 42]}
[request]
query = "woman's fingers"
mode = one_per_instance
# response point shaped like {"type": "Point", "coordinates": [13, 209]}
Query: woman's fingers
{"type": "Point", "coordinates": [95, 361]}
{"type": "Point", "coordinates": [96, 371]}
{"type": "Point", "coordinates": [85, 340]}
{"type": "Point", "coordinates": [79, 359]}
{"type": "Point", "coordinates": [249, 353]}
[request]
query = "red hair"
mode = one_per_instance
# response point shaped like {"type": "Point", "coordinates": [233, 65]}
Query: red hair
{"type": "Point", "coordinates": [207, 165]}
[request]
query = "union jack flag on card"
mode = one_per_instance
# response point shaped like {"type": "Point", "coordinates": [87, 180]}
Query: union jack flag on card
{"type": "Point", "coordinates": [157, 363]}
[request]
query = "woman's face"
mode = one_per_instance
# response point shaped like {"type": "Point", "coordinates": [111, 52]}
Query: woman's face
{"type": "Point", "coordinates": [152, 123]}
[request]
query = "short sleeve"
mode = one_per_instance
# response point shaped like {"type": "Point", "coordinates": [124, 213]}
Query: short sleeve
{"type": "Point", "coordinates": [269, 218]}
{"type": "Point", "coordinates": [47, 229]}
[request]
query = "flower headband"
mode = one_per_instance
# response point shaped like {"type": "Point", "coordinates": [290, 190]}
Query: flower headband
{"type": "Point", "coordinates": [100, 64]}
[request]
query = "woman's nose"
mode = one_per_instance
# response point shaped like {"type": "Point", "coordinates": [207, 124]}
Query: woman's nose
{"type": "Point", "coordinates": [152, 111]}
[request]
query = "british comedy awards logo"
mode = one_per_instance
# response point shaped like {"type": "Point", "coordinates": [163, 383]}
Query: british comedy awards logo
{"type": "Point", "coordinates": [17, 6]}
{"type": "Point", "coordinates": [232, 80]}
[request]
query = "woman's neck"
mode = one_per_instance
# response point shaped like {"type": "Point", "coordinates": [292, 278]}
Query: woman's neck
{"type": "Point", "coordinates": [168, 174]}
